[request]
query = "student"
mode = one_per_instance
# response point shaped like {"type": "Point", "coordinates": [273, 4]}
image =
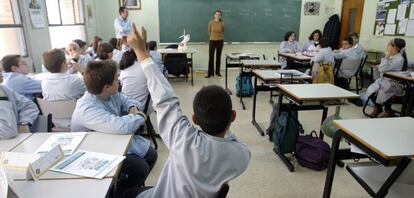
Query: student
{"type": "Point", "coordinates": [156, 57]}
{"type": "Point", "coordinates": [324, 56]}
{"type": "Point", "coordinates": [15, 77]}
{"type": "Point", "coordinates": [82, 46]}
{"type": "Point", "coordinates": [200, 161]}
{"type": "Point", "coordinates": [94, 47]}
{"type": "Point", "coordinates": [113, 42]}
{"type": "Point", "coordinates": [289, 45]}
{"type": "Point", "coordinates": [384, 88]}
{"type": "Point", "coordinates": [102, 108]}
{"type": "Point", "coordinates": [360, 49]}
{"type": "Point", "coordinates": [104, 52]}
{"type": "Point", "coordinates": [77, 61]}
{"type": "Point", "coordinates": [312, 45]}
{"type": "Point", "coordinates": [17, 112]}
{"type": "Point", "coordinates": [347, 52]}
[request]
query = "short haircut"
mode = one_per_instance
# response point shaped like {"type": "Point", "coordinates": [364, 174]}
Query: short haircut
{"type": "Point", "coordinates": [128, 59]}
{"type": "Point", "coordinates": [349, 40]}
{"type": "Point", "coordinates": [113, 42]}
{"type": "Point", "coordinates": [80, 43]}
{"type": "Point", "coordinates": [288, 34]}
{"type": "Point", "coordinates": [98, 74]}
{"type": "Point", "coordinates": [53, 60]}
{"type": "Point", "coordinates": [354, 34]}
{"type": "Point", "coordinates": [317, 31]}
{"type": "Point", "coordinates": [212, 108]}
{"type": "Point", "coordinates": [324, 42]}
{"type": "Point", "coordinates": [122, 9]}
{"type": "Point", "coordinates": [10, 60]}
{"type": "Point", "coordinates": [152, 45]}
{"type": "Point", "coordinates": [103, 51]}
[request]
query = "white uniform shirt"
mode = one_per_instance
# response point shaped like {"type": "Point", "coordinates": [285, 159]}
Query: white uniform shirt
{"type": "Point", "coordinates": [325, 55]}
{"type": "Point", "coordinates": [22, 84]}
{"type": "Point", "coordinates": [350, 61]}
{"type": "Point", "coordinates": [360, 50]}
{"type": "Point", "coordinates": [287, 47]}
{"type": "Point", "coordinates": [62, 86]}
{"type": "Point", "coordinates": [122, 27]}
{"type": "Point", "coordinates": [198, 163]}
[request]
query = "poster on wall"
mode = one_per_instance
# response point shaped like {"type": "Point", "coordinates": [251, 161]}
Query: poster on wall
{"type": "Point", "coordinates": [312, 8]}
{"type": "Point", "coordinates": [36, 13]}
{"type": "Point", "coordinates": [379, 28]}
{"type": "Point", "coordinates": [131, 4]}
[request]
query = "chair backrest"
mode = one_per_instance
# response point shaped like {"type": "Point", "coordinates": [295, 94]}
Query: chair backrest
{"type": "Point", "coordinates": [58, 109]}
{"type": "Point", "coordinates": [222, 193]}
{"type": "Point", "coordinates": [348, 67]}
{"type": "Point", "coordinates": [43, 123]}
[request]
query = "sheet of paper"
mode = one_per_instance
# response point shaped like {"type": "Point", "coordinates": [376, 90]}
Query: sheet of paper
{"type": "Point", "coordinates": [391, 15]}
{"type": "Point", "coordinates": [68, 141]}
{"type": "Point", "coordinates": [411, 16]}
{"type": "Point", "coordinates": [17, 161]}
{"type": "Point", "coordinates": [88, 164]}
{"type": "Point", "coordinates": [45, 162]}
{"type": "Point", "coordinates": [390, 29]}
{"type": "Point", "coordinates": [37, 18]}
{"type": "Point", "coordinates": [410, 28]}
{"type": "Point", "coordinates": [402, 8]}
{"type": "Point", "coordinates": [402, 26]}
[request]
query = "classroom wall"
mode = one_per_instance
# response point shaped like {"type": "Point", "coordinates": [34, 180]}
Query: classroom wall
{"type": "Point", "coordinates": [107, 11]}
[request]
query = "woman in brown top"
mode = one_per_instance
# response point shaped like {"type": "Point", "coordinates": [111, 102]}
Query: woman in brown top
{"type": "Point", "coordinates": [216, 37]}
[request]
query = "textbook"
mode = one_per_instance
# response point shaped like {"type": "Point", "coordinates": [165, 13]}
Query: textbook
{"type": "Point", "coordinates": [88, 164]}
{"type": "Point", "coordinates": [68, 141]}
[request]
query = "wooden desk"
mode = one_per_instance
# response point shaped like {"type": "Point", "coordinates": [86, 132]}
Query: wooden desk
{"type": "Point", "coordinates": [67, 188]}
{"type": "Point", "coordinates": [190, 60]}
{"type": "Point", "coordinates": [301, 94]}
{"type": "Point", "coordinates": [233, 61]}
{"type": "Point", "coordinates": [9, 144]}
{"type": "Point", "coordinates": [270, 78]}
{"type": "Point", "coordinates": [386, 140]}
{"type": "Point", "coordinates": [93, 141]}
{"type": "Point", "coordinates": [408, 81]}
{"type": "Point", "coordinates": [292, 57]}
{"type": "Point", "coordinates": [254, 64]}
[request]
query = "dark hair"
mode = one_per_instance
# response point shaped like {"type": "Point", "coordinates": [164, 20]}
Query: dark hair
{"type": "Point", "coordinates": [324, 42]}
{"type": "Point", "coordinates": [103, 51]}
{"type": "Point", "coordinates": [113, 42]}
{"type": "Point", "coordinates": [400, 44]}
{"type": "Point", "coordinates": [98, 74]}
{"type": "Point", "coordinates": [349, 40]}
{"type": "Point", "coordinates": [353, 34]}
{"type": "Point", "coordinates": [128, 59]}
{"type": "Point", "coordinates": [53, 60]}
{"type": "Point", "coordinates": [317, 31]}
{"type": "Point", "coordinates": [10, 60]}
{"type": "Point", "coordinates": [122, 9]}
{"type": "Point", "coordinates": [212, 108]}
{"type": "Point", "coordinates": [95, 42]}
{"type": "Point", "coordinates": [152, 45]}
{"type": "Point", "coordinates": [288, 34]}
{"type": "Point", "coordinates": [80, 43]}
{"type": "Point", "coordinates": [220, 13]}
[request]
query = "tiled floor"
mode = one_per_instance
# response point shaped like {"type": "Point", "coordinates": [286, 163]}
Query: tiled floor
{"type": "Point", "coordinates": [266, 175]}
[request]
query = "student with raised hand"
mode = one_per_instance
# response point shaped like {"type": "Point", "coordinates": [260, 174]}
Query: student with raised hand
{"type": "Point", "coordinates": [17, 112]}
{"type": "Point", "coordinates": [200, 161]}
{"type": "Point", "coordinates": [324, 56]}
{"type": "Point", "coordinates": [103, 109]}
{"type": "Point", "coordinates": [360, 49]}
{"type": "Point", "coordinates": [289, 45]}
{"type": "Point", "coordinates": [312, 45]}
{"type": "Point", "coordinates": [15, 76]}
{"type": "Point", "coordinates": [384, 88]}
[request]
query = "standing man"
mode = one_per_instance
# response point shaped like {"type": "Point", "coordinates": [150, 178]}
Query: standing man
{"type": "Point", "coordinates": [122, 26]}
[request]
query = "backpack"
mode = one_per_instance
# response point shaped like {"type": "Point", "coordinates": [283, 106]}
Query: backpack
{"type": "Point", "coordinates": [325, 74]}
{"type": "Point", "coordinates": [284, 130]}
{"type": "Point", "coordinates": [312, 152]}
{"type": "Point", "coordinates": [247, 86]}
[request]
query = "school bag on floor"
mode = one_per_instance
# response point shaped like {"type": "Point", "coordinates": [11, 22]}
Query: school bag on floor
{"type": "Point", "coordinates": [325, 74]}
{"type": "Point", "coordinates": [247, 86]}
{"type": "Point", "coordinates": [312, 152]}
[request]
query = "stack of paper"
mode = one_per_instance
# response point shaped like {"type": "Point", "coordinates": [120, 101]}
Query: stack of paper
{"type": "Point", "coordinates": [68, 141]}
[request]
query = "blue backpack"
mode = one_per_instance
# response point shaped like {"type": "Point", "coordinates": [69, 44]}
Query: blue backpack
{"type": "Point", "coordinates": [247, 86]}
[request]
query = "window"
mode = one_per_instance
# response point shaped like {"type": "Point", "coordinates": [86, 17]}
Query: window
{"type": "Point", "coordinates": [66, 21]}
{"type": "Point", "coordinates": [11, 29]}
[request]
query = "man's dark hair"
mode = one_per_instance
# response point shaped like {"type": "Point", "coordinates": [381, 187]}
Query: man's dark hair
{"type": "Point", "coordinates": [287, 35]}
{"type": "Point", "coordinates": [80, 43]}
{"type": "Point", "coordinates": [10, 60]}
{"type": "Point", "coordinates": [98, 74]}
{"type": "Point", "coordinates": [324, 42]}
{"type": "Point", "coordinates": [53, 60]}
{"type": "Point", "coordinates": [212, 108]}
{"type": "Point", "coordinates": [122, 9]}
{"type": "Point", "coordinates": [349, 40]}
{"type": "Point", "coordinates": [152, 45]}
{"type": "Point", "coordinates": [103, 51]}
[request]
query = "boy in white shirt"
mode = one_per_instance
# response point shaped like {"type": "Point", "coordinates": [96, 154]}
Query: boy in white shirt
{"type": "Point", "coordinates": [156, 57]}
{"type": "Point", "coordinates": [17, 112]}
{"type": "Point", "coordinates": [350, 62]}
{"type": "Point", "coordinates": [200, 161]}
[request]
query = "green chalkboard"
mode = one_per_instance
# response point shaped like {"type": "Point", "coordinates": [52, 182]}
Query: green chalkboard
{"type": "Point", "coordinates": [245, 20]}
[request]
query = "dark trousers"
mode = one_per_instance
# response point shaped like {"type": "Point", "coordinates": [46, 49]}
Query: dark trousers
{"type": "Point", "coordinates": [135, 170]}
{"type": "Point", "coordinates": [218, 47]}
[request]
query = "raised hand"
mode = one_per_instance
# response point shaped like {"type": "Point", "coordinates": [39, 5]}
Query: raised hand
{"type": "Point", "coordinates": [138, 42]}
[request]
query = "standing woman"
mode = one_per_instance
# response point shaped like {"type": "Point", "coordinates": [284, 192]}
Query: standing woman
{"type": "Point", "coordinates": [216, 37]}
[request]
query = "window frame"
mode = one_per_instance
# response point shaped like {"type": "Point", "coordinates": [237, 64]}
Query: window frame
{"type": "Point", "coordinates": [74, 15]}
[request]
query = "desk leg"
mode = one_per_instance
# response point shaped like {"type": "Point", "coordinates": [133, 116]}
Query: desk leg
{"type": "Point", "coordinates": [254, 122]}
{"type": "Point", "coordinates": [324, 115]}
{"type": "Point", "coordinates": [393, 177]}
{"type": "Point", "coordinates": [332, 165]}
{"type": "Point", "coordinates": [241, 88]}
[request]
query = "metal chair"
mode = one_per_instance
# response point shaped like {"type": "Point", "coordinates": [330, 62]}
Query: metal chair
{"type": "Point", "coordinates": [222, 193]}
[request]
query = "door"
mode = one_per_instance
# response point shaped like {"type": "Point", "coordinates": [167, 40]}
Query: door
{"type": "Point", "coordinates": [351, 17]}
